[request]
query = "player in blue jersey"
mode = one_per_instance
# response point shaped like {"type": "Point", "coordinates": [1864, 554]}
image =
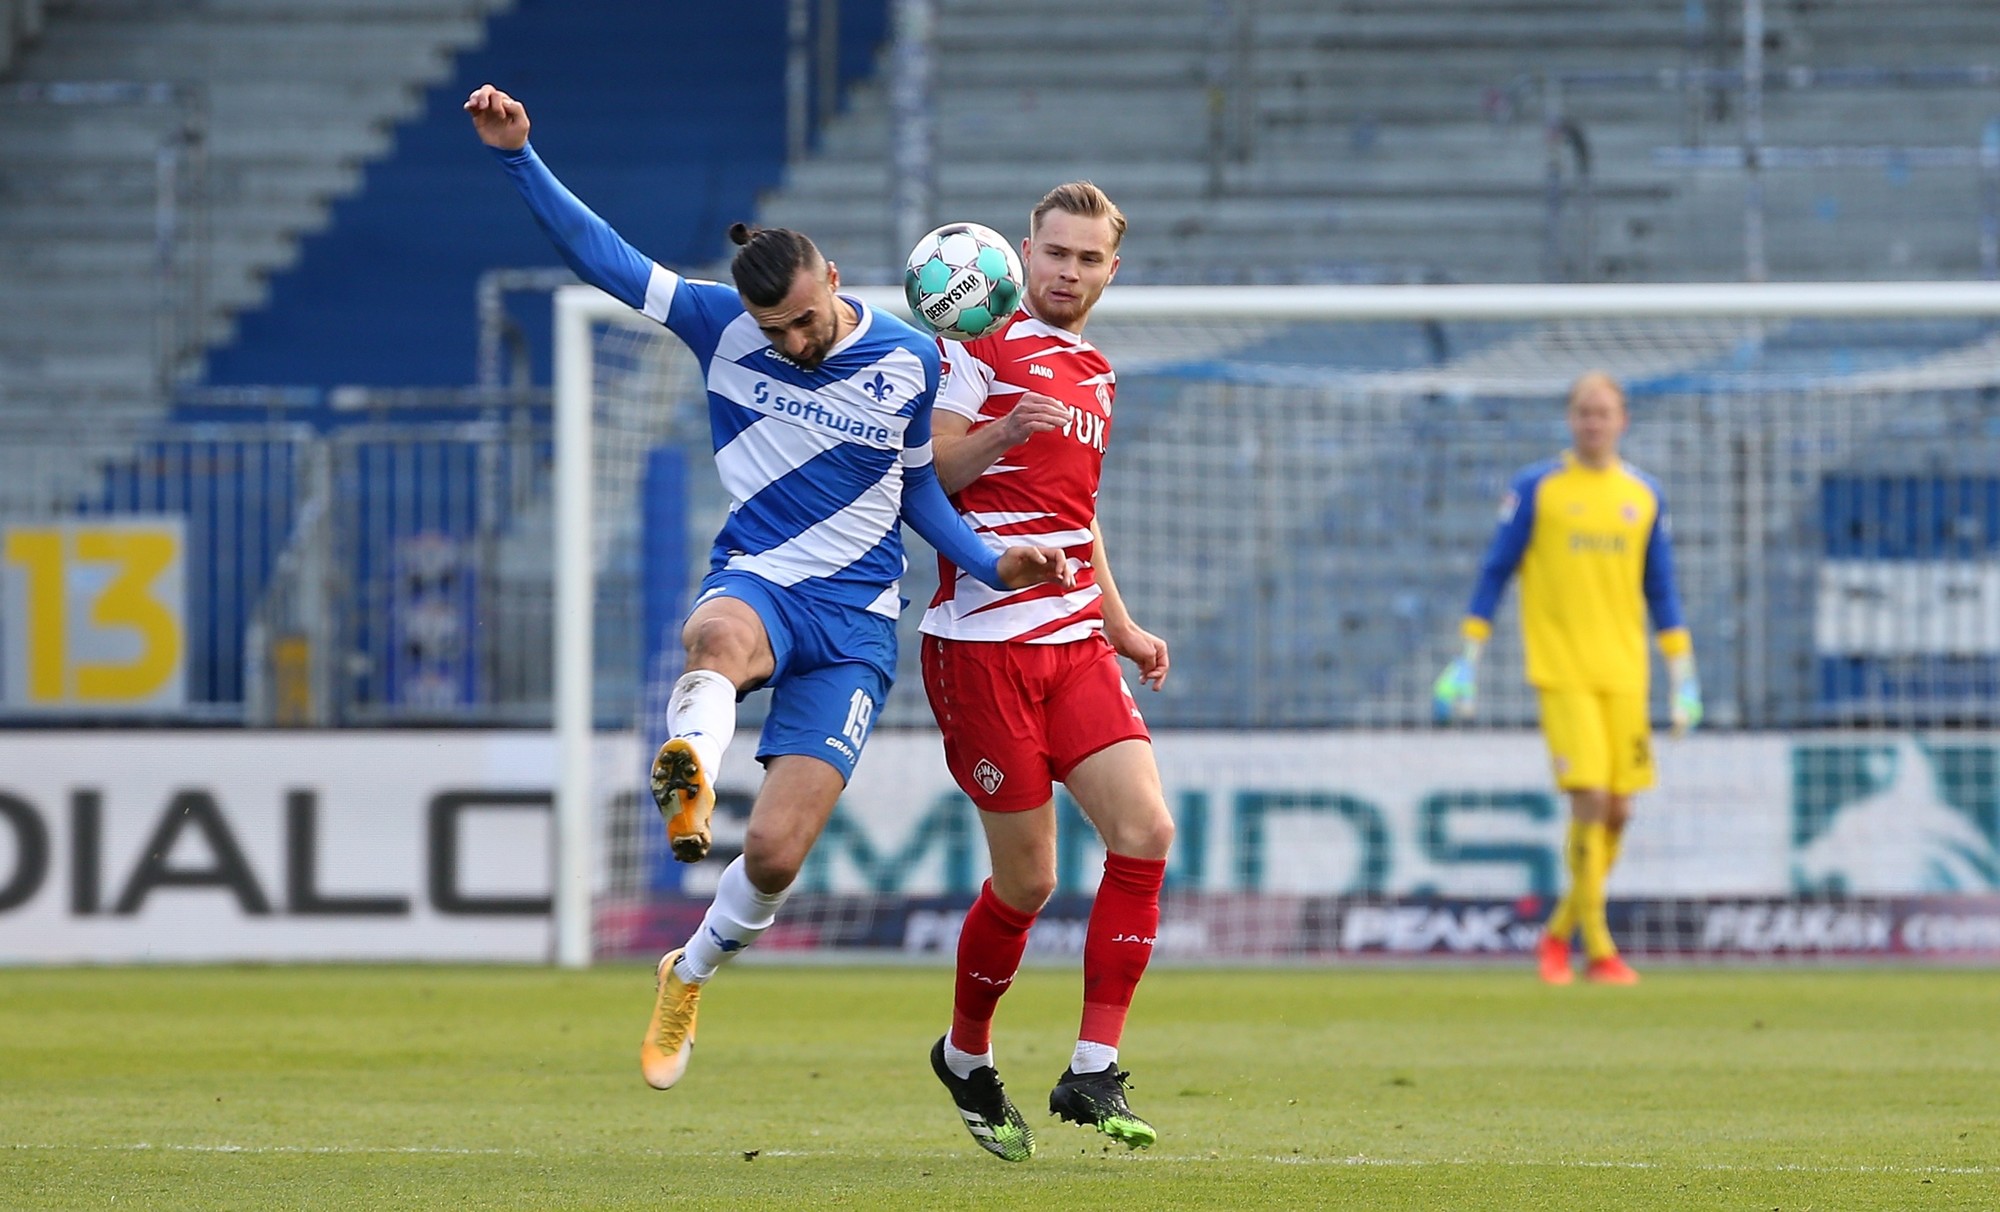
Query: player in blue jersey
{"type": "Point", "coordinates": [1589, 535]}
{"type": "Point", "coordinates": [820, 411]}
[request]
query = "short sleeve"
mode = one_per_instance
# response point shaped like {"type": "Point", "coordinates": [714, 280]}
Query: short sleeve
{"type": "Point", "coordinates": [967, 379]}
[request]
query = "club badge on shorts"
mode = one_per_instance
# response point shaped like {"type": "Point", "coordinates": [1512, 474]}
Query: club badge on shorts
{"type": "Point", "coordinates": [988, 776]}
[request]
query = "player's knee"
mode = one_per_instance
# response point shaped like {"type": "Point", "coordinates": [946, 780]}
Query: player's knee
{"type": "Point", "coordinates": [772, 862]}
{"type": "Point", "coordinates": [1024, 891]}
{"type": "Point", "coordinates": [1617, 811]}
{"type": "Point", "coordinates": [724, 640]}
{"type": "Point", "coordinates": [1148, 837]}
{"type": "Point", "coordinates": [1587, 805]}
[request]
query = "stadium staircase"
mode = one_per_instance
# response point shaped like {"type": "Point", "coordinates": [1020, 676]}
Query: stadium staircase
{"type": "Point", "coordinates": [288, 99]}
{"type": "Point", "coordinates": [293, 95]}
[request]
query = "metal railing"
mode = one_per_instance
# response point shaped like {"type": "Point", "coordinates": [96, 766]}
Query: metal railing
{"type": "Point", "coordinates": [389, 568]}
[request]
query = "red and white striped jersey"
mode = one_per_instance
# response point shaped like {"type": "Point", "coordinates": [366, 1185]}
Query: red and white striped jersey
{"type": "Point", "coordinates": [1042, 492]}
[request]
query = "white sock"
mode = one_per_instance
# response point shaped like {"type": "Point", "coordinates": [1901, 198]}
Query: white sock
{"type": "Point", "coordinates": [702, 710]}
{"type": "Point", "coordinates": [737, 915]}
{"type": "Point", "coordinates": [1092, 1057]}
{"type": "Point", "coordinates": [961, 1062]}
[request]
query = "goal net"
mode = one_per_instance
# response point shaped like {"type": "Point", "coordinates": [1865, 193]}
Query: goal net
{"type": "Point", "coordinates": [1300, 485]}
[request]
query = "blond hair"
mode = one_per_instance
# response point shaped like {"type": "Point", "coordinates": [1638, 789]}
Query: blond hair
{"type": "Point", "coordinates": [1596, 378]}
{"type": "Point", "coordinates": [1083, 199]}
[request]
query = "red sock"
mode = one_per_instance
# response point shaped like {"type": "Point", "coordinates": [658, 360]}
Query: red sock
{"type": "Point", "coordinates": [989, 954]}
{"type": "Point", "coordinates": [1118, 943]}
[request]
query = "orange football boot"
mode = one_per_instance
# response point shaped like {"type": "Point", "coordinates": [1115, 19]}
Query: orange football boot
{"type": "Point", "coordinates": [663, 1054]}
{"type": "Point", "coordinates": [1611, 970]}
{"type": "Point", "coordinates": [1553, 955]}
{"type": "Point", "coordinates": [686, 797]}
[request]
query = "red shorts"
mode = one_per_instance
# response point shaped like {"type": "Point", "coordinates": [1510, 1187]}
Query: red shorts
{"type": "Point", "coordinates": [1019, 717]}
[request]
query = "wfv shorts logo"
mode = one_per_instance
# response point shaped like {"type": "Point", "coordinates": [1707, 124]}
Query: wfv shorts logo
{"type": "Point", "coordinates": [988, 776]}
{"type": "Point", "coordinates": [1895, 818]}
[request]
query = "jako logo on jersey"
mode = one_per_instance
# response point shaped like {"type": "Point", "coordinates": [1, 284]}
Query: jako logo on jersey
{"type": "Point", "coordinates": [880, 387]}
{"type": "Point", "coordinates": [987, 775]}
{"type": "Point", "coordinates": [1040, 371]}
{"type": "Point", "coordinates": [998, 982]}
{"type": "Point", "coordinates": [1087, 428]}
{"type": "Point", "coordinates": [815, 413]}
{"type": "Point", "coordinates": [1142, 939]}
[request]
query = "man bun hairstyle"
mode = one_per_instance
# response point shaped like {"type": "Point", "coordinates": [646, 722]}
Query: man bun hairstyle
{"type": "Point", "coordinates": [1083, 199]}
{"type": "Point", "coordinates": [768, 260]}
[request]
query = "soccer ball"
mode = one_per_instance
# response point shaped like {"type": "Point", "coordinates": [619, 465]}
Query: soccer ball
{"type": "Point", "coordinates": [963, 281]}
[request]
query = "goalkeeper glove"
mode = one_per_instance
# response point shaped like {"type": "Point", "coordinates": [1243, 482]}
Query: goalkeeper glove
{"type": "Point", "coordinates": [1456, 692]}
{"type": "Point", "coordinates": [1684, 698]}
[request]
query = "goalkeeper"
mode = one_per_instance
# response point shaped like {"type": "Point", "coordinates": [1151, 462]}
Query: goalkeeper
{"type": "Point", "coordinates": [1589, 535]}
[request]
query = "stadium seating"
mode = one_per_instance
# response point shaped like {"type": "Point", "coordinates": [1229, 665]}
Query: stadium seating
{"type": "Point", "coordinates": [1366, 141]}
{"type": "Point", "coordinates": [290, 96]}
{"type": "Point", "coordinates": [1379, 139]}
{"type": "Point", "coordinates": [671, 146]}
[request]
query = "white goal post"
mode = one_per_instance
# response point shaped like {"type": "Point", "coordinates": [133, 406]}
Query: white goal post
{"type": "Point", "coordinates": [1247, 357]}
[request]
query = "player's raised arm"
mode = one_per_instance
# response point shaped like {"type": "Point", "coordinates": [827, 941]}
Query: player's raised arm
{"type": "Point", "coordinates": [1131, 641]}
{"type": "Point", "coordinates": [1455, 693]}
{"type": "Point", "coordinates": [596, 252]}
{"type": "Point", "coordinates": [964, 453]}
{"type": "Point", "coordinates": [929, 513]}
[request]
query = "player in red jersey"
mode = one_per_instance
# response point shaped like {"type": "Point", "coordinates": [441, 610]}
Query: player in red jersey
{"type": "Point", "coordinates": [1026, 686]}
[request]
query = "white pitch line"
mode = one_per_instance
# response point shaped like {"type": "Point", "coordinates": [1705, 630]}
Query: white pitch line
{"type": "Point", "coordinates": [147, 1146]}
{"type": "Point", "coordinates": [1292, 1160]}
{"type": "Point", "coordinates": [1701, 1167]}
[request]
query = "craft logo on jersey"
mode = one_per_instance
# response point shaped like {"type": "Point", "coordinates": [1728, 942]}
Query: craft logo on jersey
{"type": "Point", "coordinates": [880, 387]}
{"type": "Point", "coordinates": [1895, 819]}
{"type": "Point", "coordinates": [988, 776]}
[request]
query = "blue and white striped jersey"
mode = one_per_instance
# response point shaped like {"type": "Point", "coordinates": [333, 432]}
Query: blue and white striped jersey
{"type": "Point", "coordinates": [812, 459]}
{"type": "Point", "coordinates": [820, 464]}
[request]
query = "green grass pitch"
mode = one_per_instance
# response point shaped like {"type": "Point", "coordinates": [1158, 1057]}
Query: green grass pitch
{"type": "Point", "coordinates": [422, 1087]}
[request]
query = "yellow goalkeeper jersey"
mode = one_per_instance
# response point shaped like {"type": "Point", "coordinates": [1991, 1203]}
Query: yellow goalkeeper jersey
{"type": "Point", "coordinates": [1594, 554]}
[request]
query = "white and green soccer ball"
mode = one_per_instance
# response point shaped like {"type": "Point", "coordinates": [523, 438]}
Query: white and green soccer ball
{"type": "Point", "coordinates": [963, 281]}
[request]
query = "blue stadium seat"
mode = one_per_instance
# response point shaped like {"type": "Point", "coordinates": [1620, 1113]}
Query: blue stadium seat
{"type": "Point", "coordinates": [668, 119]}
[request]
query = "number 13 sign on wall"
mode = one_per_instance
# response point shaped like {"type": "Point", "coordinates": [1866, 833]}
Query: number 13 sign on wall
{"type": "Point", "coordinates": [93, 615]}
